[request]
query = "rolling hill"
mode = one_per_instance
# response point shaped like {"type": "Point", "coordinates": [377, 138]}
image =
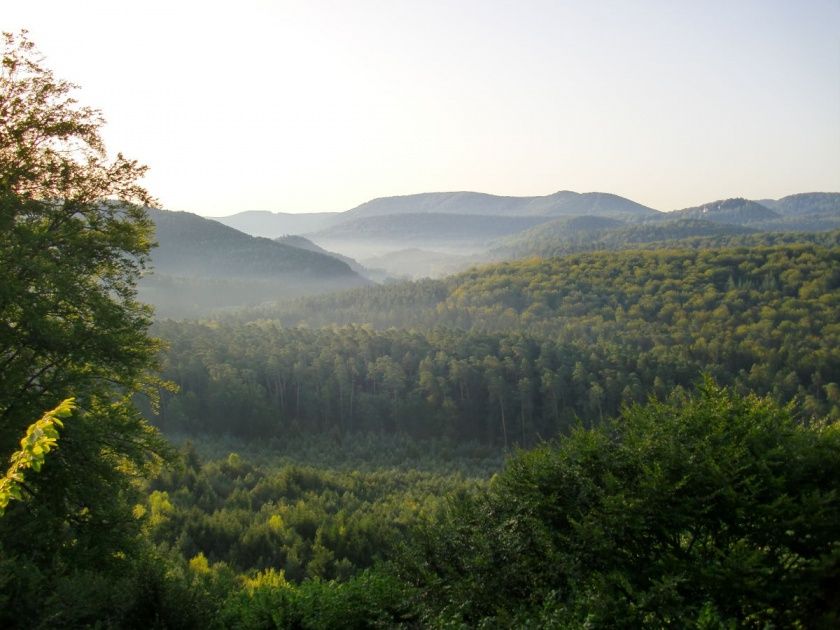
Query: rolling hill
{"type": "Point", "coordinates": [737, 211]}
{"type": "Point", "coordinates": [580, 234]}
{"type": "Point", "coordinates": [805, 212]}
{"type": "Point", "coordinates": [817, 203]}
{"type": "Point", "coordinates": [563, 203]}
{"type": "Point", "coordinates": [415, 263]}
{"type": "Point", "coordinates": [456, 229]}
{"type": "Point", "coordinates": [201, 264]}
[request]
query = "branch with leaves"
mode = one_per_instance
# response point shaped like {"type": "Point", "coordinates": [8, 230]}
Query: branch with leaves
{"type": "Point", "coordinates": [40, 438]}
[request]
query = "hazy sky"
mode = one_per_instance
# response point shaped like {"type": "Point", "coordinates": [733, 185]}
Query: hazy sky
{"type": "Point", "coordinates": [316, 105]}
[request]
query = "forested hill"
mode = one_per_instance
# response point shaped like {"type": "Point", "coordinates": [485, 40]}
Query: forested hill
{"type": "Point", "coordinates": [563, 203]}
{"type": "Point", "coordinates": [529, 293]}
{"type": "Point", "coordinates": [510, 352]}
{"type": "Point", "coordinates": [802, 212]}
{"type": "Point", "coordinates": [817, 203]}
{"type": "Point", "coordinates": [201, 265]}
{"type": "Point", "coordinates": [301, 242]}
{"type": "Point", "coordinates": [190, 245]}
{"type": "Point", "coordinates": [458, 229]}
{"type": "Point", "coordinates": [581, 234]}
{"type": "Point", "coordinates": [732, 211]}
{"type": "Point", "coordinates": [427, 228]}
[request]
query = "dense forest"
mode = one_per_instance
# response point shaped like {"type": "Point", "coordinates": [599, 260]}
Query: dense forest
{"type": "Point", "coordinates": [517, 352]}
{"type": "Point", "coordinates": [640, 437]}
{"type": "Point", "coordinates": [426, 303]}
{"type": "Point", "coordinates": [586, 234]}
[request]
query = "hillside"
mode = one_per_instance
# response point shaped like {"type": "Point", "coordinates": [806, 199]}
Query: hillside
{"type": "Point", "coordinates": [536, 342]}
{"type": "Point", "coordinates": [563, 203]}
{"type": "Point", "coordinates": [816, 203]}
{"type": "Point", "coordinates": [715, 223]}
{"type": "Point", "coordinates": [735, 211]}
{"type": "Point", "coordinates": [189, 245]}
{"type": "Point", "coordinates": [511, 291]}
{"type": "Point", "coordinates": [415, 263]}
{"type": "Point", "coordinates": [201, 264]}
{"type": "Point", "coordinates": [580, 234]}
{"type": "Point", "coordinates": [457, 229]}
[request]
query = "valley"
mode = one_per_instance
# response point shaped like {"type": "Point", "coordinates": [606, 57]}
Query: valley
{"type": "Point", "coordinates": [440, 410]}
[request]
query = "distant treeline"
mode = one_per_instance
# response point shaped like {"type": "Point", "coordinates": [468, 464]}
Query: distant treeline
{"type": "Point", "coordinates": [586, 234]}
{"type": "Point", "coordinates": [517, 352]}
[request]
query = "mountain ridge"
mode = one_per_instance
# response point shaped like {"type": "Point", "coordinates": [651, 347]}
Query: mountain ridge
{"type": "Point", "coordinates": [192, 245]}
{"type": "Point", "coordinates": [733, 211]}
{"type": "Point", "coordinates": [561, 203]}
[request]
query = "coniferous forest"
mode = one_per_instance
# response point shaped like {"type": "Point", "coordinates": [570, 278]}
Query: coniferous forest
{"type": "Point", "coordinates": [622, 432]}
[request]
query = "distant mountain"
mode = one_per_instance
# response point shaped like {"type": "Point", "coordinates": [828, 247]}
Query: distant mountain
{"type": "Point", "coordinates": [448, 230]}
{"type": "Point", "coordinates": [190, 245]}
{"type": "Point", "coordinates": [807, 203]}
{"type": "Point", "coordinates": [805, 212]}
{"type": "Point", "coordinates": [200, 264]}
{"type": "Point", "coordinates": [737, 211]}
{"type": "Point", "coordinates": [563, 203]}
{"type": "Point", "coordinates": [274, 224]}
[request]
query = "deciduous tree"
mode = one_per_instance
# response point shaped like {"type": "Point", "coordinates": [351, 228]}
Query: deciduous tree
{"type": "Point", "coordinates": [74, 239]}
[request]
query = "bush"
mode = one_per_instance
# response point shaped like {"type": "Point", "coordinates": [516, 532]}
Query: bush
{"type": "Point", "coordinates": [706, 510]}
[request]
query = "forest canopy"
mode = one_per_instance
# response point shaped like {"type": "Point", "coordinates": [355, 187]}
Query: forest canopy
{"type": "Point", "coordinates": [517, 352]}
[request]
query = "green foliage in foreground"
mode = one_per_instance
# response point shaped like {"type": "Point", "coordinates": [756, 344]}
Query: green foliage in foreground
{"type": "Point", "coordinates": [70, 325]}
{"type": "Point", "coordinates": [373, 599]}
{"type": "Point", "coordinates": [707, 511]}
{"type": "Point", "coordinates": [40, 438]}
{"type": "Point", "coordinates": [710, 511]}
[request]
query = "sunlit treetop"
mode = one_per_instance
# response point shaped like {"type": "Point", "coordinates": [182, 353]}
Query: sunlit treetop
{"type": "Point", "coordinates": [50, 145]}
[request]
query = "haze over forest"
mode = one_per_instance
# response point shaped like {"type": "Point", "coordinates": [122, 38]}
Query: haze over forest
{"type": "Point", "coordinates": [611, 408]}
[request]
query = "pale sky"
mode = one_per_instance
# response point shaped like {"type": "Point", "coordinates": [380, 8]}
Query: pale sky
{"type": "Point", "coordinates": [317, 106]}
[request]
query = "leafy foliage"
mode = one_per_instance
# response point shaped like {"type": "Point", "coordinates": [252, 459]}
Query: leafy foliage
{"type": "Point", "coordinates": [40, 438]}
{"type": "Point", "coordinates": [310, 522]}
{"type": "Point", "coordinates": [74, 239]}
{"type": "Point", "coordinates": [369, 600]}
{"type": "Point", "coordinates": [713, 507]}
{"type": "Point", "coordinates": [712, 510]}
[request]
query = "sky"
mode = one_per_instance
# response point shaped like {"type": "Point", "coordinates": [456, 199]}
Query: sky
{"type": "Point", "coordinates": [321, 105]}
